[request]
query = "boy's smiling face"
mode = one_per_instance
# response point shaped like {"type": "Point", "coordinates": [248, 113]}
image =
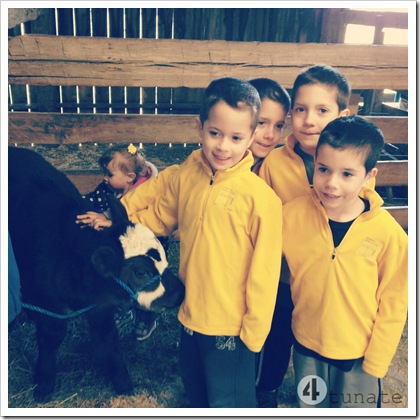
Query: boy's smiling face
{"type": "Point", "coordinates": [338, 178]}
{"type": "Point", "coordinates": [314, 107]}
{"type": "Point", "coordinates": [226, 135]}
{"type": "Point", "coordinates": [270, 125]}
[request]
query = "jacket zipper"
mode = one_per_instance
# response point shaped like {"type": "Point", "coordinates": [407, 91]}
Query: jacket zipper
{"type": "Point", "coordinates": [207, 196]}
{"type": "Point", "coordinates": [334, 253]}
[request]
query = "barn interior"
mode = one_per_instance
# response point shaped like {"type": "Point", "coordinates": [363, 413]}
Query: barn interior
{"type": "Point", "coordinates": [60, 112]}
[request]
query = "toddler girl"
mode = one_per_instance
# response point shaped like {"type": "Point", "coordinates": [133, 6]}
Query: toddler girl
{"type": "Point", "coordinates": [125, 167]}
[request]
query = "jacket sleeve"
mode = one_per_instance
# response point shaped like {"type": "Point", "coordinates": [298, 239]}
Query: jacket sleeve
{"type": "Point", "coordinates": [162, 215]}
{"type": "Point", "coordinates": [264, 273]}
{"type": "Point", "coordinates": [140, 198]}
{"type": "Point", "coordinates": [392, 297]}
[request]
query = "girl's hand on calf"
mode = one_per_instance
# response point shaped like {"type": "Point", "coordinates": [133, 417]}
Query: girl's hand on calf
{"type": "Point", "coordinates": [97, 221]}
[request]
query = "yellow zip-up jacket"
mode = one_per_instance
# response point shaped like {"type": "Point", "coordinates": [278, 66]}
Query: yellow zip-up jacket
{"type": "Point", "coordinates": [230, 227]}
{"type": "Point", "coordinates": [284, 171]}
{"type": "Point", "coordinates": [349, 301]}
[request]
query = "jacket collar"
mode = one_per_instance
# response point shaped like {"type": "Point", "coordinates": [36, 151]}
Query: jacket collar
{"type": "Point", "coordinates": [289, 144]}
{"type": "Point", "coordinates": [375, 200]}
{"type": "Point", "coordinates": [244, 165]}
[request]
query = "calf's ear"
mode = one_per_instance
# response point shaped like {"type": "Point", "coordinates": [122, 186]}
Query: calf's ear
{"type": "Point", "coordinates": [104, 261]}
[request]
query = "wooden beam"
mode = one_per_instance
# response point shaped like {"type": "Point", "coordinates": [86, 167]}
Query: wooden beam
{"type": "Point", "coordinates": [49, 128]}
{"type": "Point", "coordinates": [97, 61]}
{"type": "Point", "coordinates": [394, 129]}
{"type": "Point", "coordinates": [54, 128]}
{"type": "Point", "coordinates": [86, 181]}
{"type": "Point", "coordinates": [392, 173]}
{"type": "Point", "coordinates": [400, 214]}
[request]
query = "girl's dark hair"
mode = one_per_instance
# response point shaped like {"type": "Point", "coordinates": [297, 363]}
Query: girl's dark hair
{"type": "Point", "coordinates": [270, 89]}
{"type": "Point", "coordinates": [324, 75]}
{"type": "Point", "coordinates": [237, 93]}
{"type": "Point", "coordinates": [133, 159]}
{"type": "Point", "coordinates": [354, 132]}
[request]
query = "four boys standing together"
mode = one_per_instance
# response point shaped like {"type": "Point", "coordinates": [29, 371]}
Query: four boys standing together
{"type": "Point", "coordinates": [342, 295]}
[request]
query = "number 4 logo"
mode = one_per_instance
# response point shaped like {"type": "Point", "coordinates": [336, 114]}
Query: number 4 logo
{"type": "Point", "coordinates": [312, 390]}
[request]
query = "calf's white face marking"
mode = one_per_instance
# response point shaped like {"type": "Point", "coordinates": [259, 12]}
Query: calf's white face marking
{"type": "Point", "coordinates": [147, 298]}
{"type": "Point", "coordinates": [139, 239]}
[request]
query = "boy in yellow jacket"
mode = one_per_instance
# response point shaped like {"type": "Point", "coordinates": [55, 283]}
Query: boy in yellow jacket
{"type": "Point", "coordinates": [348, 262]}
{"type": "Point", "coordinates": [320, 94]}
{"type": "Point", "coordinates": [228, 219]}
{"type": "Point", "coordinates": [275, 104]}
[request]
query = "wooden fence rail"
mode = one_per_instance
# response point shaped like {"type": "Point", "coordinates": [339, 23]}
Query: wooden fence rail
{"type": "Point", "coordinates": [87, 61]}
{"type": "Point", "coordinates": [54, 128]}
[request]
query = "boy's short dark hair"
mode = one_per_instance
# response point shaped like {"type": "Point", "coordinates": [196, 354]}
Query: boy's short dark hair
{"type": "Point", "coordinates": [237, 93]}
{"type": "Point", "coordinates": [324, 75]}
{"type": "Point", "coordinates": [270, 89]}
{"type": "Point", "coordinates": [356, 133]}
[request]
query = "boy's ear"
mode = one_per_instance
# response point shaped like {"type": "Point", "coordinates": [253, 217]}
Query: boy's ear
{"type": "Point", "coordinates": [344, 113]}
{"type": "Point", "coordinates": [199, 127]}
{"type": "Point", "coordinates": [370, 175]}
{"type": "Point", "coordinates": [252, 138]}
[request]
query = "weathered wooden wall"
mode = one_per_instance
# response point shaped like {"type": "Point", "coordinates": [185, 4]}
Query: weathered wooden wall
{"type": "Point", "coordinates": [89, 88]}
{"type": "Point", "coordinates": [84, 61]}
{"type": "Point", "coordinates": [262, 25]}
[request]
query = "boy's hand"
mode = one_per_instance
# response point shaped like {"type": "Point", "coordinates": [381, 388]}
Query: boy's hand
{"type": "Point", "coordinates": [97, 221]}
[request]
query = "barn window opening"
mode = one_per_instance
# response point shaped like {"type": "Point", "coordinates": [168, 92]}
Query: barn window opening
{"type": "Point", "coordinates": [359, 34]}
{"type": "Point", "coordinates": [369, 34]}
{"type": "Point", "coordinates": [11, 97]}
{"type": "Point", "coordinates": [395, 36]}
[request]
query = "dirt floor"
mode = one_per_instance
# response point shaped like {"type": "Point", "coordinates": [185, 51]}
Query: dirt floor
{"type": "Point", "coordinates": [152, 363]}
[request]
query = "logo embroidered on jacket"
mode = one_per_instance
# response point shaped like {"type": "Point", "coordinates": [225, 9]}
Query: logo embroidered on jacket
{"type": "Point", "coordinates": [368, 248]}
{"type": "Point", "coordinates": [225, 198]}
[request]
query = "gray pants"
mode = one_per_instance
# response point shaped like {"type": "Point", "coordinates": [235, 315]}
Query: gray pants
{"type": "Point", "coordinates": [217, 371]}
{"type": "Point", "coordinates": [321, 385]}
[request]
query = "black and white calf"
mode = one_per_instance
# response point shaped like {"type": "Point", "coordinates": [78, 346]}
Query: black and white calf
{"type": "Point", "coordinates": [65, 269]}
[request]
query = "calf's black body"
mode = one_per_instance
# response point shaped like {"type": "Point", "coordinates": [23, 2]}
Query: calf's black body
{"type": "Point", "coordinates": [65, 268]}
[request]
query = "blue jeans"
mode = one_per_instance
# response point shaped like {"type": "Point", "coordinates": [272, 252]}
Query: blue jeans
{"type": "Point", "coordinates": [217, 371]}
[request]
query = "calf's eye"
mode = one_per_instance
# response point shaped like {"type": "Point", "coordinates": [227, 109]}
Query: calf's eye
{"type": "Point", "coordinates": [139, 273]}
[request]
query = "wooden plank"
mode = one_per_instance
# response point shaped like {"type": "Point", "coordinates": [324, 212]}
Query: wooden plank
{"type": "Point", "coordinates": [54, 128]}
{"type": "Point", "coordinates": [86, 61]}
{"type": "Point", "coordinates": [392, 173]}
{"type": "Point", "coordinates": [46, 128]}
{"type": "Point", "coordinates": [394, 129]}
{"type": "Point", "coordinates": [85, 181]}
{"type": "Point", "coordinates": [400, 214]}
{"type": "Point", "coordinates": [389, 173]}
